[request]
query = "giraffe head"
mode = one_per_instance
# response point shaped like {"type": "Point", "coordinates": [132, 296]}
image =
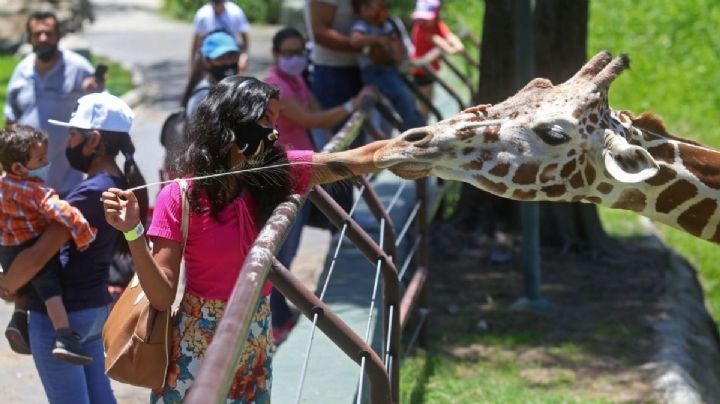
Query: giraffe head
{"type": "Point", "coordinates": [547, 142]}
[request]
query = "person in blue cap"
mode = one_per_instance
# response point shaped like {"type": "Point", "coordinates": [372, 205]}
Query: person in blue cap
{"type": "Point", "coordinates": [220, 53]}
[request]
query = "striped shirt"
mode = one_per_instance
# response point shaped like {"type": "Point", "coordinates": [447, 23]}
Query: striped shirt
{"type": "Point", "coordinates": [26, 208]}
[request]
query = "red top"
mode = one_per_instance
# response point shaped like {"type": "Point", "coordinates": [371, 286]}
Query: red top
{"type": "Point", "coordinates": [422, 39]}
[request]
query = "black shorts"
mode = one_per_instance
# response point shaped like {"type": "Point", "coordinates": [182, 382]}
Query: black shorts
{"type": "Point", "coordinates": [46, 283]}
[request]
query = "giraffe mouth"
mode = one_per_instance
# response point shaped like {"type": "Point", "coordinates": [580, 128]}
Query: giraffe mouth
{"type": "Point", "coordinates": [411, 170]}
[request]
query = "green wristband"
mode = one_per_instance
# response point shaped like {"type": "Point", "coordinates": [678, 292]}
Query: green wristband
{"type": "Point", "coordinates": [135, 233]}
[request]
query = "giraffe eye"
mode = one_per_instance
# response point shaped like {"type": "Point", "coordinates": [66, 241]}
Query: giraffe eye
{"type": "Point", "coordinates": [551, 134]}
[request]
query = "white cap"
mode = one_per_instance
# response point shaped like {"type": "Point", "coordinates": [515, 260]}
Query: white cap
{"type": "Point", "coordinates": [102, 111]}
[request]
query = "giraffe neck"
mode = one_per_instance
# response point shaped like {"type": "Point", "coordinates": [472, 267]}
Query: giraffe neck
{"type": "Point", "coordinates": [684, 194]}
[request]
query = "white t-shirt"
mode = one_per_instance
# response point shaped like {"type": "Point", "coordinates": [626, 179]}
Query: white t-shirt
{"type": "Point", "coordinates": [343, 21]}
{"type": "Point", "coordinates": [232, 20]}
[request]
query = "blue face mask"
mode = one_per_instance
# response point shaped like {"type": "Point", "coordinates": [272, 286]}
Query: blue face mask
{"type": "Point", "coordinates": [40, 172]}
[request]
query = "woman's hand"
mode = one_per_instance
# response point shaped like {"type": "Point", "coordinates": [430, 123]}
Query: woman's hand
{"type": "Point", "coordinates": [366, 92]}
{"type": "Point", "coordinates": [121, 209]}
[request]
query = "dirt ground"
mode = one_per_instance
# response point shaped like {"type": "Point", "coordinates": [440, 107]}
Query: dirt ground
{"type": "Point", "coordinates": [604, 307]}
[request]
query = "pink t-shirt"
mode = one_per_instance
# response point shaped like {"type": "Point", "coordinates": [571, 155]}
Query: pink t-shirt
{"type": "Point", "coordinates": [216, 250]}
{"type": "Point", "coordinates": [292, 135]}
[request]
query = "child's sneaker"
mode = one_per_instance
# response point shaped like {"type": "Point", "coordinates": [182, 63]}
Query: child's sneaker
{"type": "Point", "coordinates": [68, 347]}
{"type": "Point", "coordinates": [17, 332]}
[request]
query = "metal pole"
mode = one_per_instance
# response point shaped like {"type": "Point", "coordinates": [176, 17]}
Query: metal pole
{"type": "Point", "coordinates": [529, 210]}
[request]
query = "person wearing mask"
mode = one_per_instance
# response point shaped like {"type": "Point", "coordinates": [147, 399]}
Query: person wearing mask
{"type": "Point", "coordinates": [220, 55]}
{"type": "Point", "coordinates": [233, 128]}
{"type": "Point", "coordinates": [299, 112]}
{"type": "Point", "coordinates": [222, 15]}
{"type": "Point", "coordinates": [46, 84]}
{"type": "Point", "coordinates": [99, 130]}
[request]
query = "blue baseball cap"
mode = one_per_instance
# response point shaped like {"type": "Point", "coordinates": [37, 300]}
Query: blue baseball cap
{"type": "Point", "coordinates": [217, 44]}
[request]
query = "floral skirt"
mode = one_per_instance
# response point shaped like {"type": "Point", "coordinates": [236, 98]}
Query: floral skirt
{"type": "Point", "coordinates": [195, 326]}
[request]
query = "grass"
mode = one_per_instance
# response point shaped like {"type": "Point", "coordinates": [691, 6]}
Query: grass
{"type": "Point", "coordinates": [495, 377]}
{"type": "Point", "coordinates": [119, 78]}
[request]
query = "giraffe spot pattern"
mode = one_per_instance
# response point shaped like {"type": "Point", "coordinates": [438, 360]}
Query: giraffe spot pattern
{"type": "Point", "coordinates": [674, 195]}
{"type": "Point", "coordinates": [594, 118]}
{"type": "Point", "coordinates": [576, 181]}
{"type": "Point", "coordinates": [467, 150]}
{"type": "Point", "coordinates": [664, 152]}
{"type": "Point", "coordinates": [567, 169]}
{"type": "Point", "coordinates": [605, 188]}
{"type": "Point", "coordinates": [590, 174]}
{"type": "Point", "coordinates": [594, 199]}
{"type": "Point", "coordinates": [554, 191]}
{"type": "Point", "coordinates": [571, 153]}
{"type": "Point", "coordinates": [500, 169]}
{"type": "Point", "coordinates": [526, 174]}
{"type": "Point", "coordinates": [576, 113]}
{"type": "Point", "coordinates": [490, 186]}
{"type": "Point", "coordinates": [548, 173]}
{"type": "Point", "coordinates": [491, 135]}
{"type": "Point", "coordinates": [465, 133]}
{"type": "Point", "coordinates": [521, 195]}
{"type": "Point", "coordinates": [630, 199]}
{"type": "Point", "coordinates": [694, 219]}
{"type": "Point", "coordinates": [474, 165]}
{"type": "Point", "coordinates": [663, 176]}
{"type": "Point", "coordinates": [701, 163]}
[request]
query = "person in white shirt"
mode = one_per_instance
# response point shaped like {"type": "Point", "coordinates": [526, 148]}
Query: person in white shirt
{"type": "Point", "coordinates": [226, 16]}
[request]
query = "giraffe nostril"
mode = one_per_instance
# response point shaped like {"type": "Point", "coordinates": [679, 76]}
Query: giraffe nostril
{"type": "Point", "coordinates": [416, 135]}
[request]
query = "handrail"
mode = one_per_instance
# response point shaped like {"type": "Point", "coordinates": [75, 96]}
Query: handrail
{"type": "Point", "coordinates": [429, 71]}
{"type": "Point", "coordinates": [330, 323]}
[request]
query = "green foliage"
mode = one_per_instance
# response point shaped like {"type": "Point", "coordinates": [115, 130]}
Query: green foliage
{"type": "Point", "coordinates": [7, 64]}
{"type": "Point", "coordinates": [257, 11]}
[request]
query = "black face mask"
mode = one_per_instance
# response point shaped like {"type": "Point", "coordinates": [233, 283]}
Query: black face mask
{"type": "Point", "coordinates": [45, 52]}
{"type": "Point", "coordinates": [255, 139]}
{"type": "Point", "coordinates": [77, 160]}
{"type": "Point", "coordinates": [220, 72]}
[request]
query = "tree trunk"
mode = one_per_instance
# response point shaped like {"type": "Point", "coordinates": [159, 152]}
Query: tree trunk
{"type": "Point", "coordinates": [560, 35]}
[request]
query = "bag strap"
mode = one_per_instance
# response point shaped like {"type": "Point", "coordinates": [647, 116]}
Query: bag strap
{"type": "Point", "coordinates": [185, 223]}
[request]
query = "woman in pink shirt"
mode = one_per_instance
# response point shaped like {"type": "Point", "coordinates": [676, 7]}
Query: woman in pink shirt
{"type": "Point", "coordinates": [233, 128]}
{"type": "Point", "coordinates": [299, 111]}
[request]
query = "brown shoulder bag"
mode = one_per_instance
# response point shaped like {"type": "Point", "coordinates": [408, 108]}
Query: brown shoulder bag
{"type": "Point", "coordinates": [136, 337]}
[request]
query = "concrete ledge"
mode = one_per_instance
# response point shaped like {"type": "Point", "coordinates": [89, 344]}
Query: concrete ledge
{"type": "Point", "coordinates": [686, 368]}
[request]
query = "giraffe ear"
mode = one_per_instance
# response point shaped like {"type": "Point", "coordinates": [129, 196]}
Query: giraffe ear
{"type": "Point", "coordinates": [625, 162]}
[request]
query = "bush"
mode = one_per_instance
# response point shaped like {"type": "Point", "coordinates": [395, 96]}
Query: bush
{"type": "Point", "coordinates": [257, 11]}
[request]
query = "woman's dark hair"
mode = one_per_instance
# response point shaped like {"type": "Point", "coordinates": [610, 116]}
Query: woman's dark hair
{"type": "Point", "coordinates": [116, 142]}
{"type": "Point", "coordinates": [221, 118]}
{"type": "Point", "coordinates": [283, 34]}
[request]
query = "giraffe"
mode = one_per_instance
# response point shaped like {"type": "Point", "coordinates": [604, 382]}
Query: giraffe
{"type": "Point", "coordinates": [564, 143]}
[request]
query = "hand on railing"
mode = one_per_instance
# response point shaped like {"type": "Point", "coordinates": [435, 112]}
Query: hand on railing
{"type": "Point", "coordinates": [366, 98]}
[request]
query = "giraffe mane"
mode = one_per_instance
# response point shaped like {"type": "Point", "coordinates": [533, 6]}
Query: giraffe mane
{"type": "Point", "coordinates": [652, 123]}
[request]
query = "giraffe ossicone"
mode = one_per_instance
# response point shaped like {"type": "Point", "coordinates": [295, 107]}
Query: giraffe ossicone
{"type": "Point", "coordinates": [564, 143]}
